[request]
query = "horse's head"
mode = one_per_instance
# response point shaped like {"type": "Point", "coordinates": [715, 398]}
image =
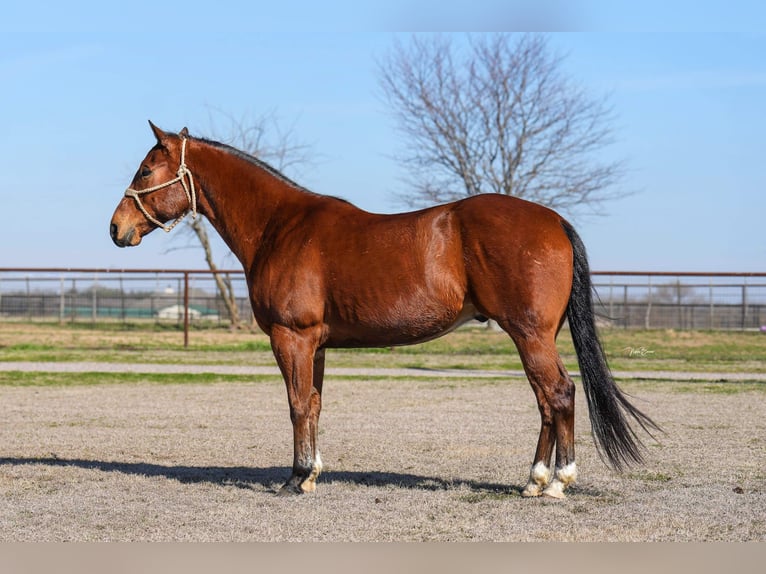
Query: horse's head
{"type": "Point", "coordinates": [161, 191]}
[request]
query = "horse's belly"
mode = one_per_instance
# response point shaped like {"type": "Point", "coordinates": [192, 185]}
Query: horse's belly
{"type": "Point", "coordinates": [397, 326]}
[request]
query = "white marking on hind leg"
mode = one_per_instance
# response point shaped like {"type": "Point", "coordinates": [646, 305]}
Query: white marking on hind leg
{"type": "Point", "coordinates": [563, 478]}
{"type": "Point", "coordinates": [539, 475]}
{"type": "Point", "coordinates": [310, 484]}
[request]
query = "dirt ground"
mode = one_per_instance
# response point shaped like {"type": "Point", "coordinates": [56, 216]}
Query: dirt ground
{"type": "Point", "coordinates": [438, 460]}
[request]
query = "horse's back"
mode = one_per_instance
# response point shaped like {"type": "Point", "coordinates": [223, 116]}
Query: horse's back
{"type": "Point", "coordinates": [512, 215]}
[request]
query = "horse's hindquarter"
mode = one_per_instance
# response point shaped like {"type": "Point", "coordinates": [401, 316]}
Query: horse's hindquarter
{"type": "Point", "coordinates": [518, 260]}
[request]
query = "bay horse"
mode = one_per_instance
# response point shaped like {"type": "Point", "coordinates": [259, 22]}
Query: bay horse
{"type": "Point", "coordinates": [322, 273]}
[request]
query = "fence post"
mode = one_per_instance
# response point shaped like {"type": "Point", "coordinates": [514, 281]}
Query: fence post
{"type": "Point", "coordinates": [122, 300]}
{"type": "Point", "coordinates": [648, 304]}
{"type": "Point", "coordinates": [94, 299]}
{"type": "Point", "coordinates": [29, 308]}
{"type": "Point", "coordinates": [62, 304]}
{"type": "Point", "coordinates": [744, 304]}
{"type": "Point", "coordinates": [186, 309]}
{"type": "Point", "coordinates": [73, 301]}
{"type": "Point", "coordinates": [625, 314]}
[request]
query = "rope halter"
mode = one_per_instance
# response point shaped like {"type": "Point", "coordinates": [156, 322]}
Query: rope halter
{"type": "Point", "coordinates": [182, 175]}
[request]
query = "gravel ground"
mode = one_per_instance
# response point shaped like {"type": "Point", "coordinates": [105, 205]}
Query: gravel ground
{"type": "Point", "coordinates": [436, 457]}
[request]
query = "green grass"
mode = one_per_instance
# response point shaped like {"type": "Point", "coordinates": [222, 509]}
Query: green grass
{"type": "Point", "coordinates": [44, 379]}
{"type": "Point", "coordinates": [650, 476]}
{"type": "Point", "coordinates": [260, 344]}
{"type": "Point", "coordinates": [59, 379]}
{"type": "Point", "coordinates": [467, 348]}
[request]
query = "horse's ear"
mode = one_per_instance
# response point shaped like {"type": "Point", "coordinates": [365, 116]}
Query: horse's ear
{"type": "Point", "coordinates": [158, 133]}
{"type": "Point", "coordinates": [184, 133]}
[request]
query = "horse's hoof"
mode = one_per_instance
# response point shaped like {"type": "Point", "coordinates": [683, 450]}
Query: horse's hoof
{"type": "Point", "coordinates": [554, 496]}
{"type": "Point", "coordinates": [532, 490]}
{"type": "Point", "coordinates": [555, 491]}
{"type": "Point", "coordinates": [539, 477]}
{"type": "Point", "coordinates": [289, 489]}
{"type": "Point", "coordinates": [308, 486]}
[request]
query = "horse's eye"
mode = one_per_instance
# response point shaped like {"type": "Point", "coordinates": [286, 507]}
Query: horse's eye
{"type": "Point", "coordinates": [145, 172]}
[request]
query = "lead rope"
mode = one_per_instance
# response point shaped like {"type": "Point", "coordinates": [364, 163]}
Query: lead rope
{"type": "Point", "coordinates": [191, 193]}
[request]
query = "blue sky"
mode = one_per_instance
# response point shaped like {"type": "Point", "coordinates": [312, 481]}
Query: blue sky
{"type": "Point", "coordinates": [79, 80]}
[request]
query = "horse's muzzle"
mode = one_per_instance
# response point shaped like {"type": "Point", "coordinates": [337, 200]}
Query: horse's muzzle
{"type": "Point", "coordinates": [125, 240]}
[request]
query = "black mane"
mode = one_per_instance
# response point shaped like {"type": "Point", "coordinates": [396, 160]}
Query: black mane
{"type": "Point", "coordinates": [255, 161]}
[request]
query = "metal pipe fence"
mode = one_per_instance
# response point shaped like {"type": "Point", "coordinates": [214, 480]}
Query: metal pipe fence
{"type": "Point", "coordinates": [180, 297]}
{"type": "Point", "coordinates": [184, 297]}
{"type": "Point", "coordinates": [681, 300]}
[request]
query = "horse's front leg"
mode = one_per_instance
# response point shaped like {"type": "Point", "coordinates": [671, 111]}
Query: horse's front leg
{"type": "Point", "coordinates": [302, 366]}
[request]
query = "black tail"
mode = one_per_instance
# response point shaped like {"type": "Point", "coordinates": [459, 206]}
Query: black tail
{"type": "Point", "coordinates": [607, 404]}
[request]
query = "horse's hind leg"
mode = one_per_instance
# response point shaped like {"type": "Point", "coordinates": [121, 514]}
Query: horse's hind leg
{"type": "Point", "coordinates": [555, 395]}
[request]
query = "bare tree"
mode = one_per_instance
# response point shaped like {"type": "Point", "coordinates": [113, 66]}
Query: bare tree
{"type": "Point", "coordinates": [223, 283]}
{"type": "Point", "coordinates": [265, 138]}
{"type": "Point", "coordinates": [497, 116]}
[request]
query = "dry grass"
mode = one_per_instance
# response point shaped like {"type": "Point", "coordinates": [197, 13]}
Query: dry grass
{"type": "Point", "coordinates": [419, 460]}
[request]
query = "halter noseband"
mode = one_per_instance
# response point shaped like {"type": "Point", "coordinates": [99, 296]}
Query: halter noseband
{"type": "Point", "coordinates": [191, 193]}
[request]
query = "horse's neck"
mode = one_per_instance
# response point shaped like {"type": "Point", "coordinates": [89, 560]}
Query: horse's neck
{"type": "Point", "coordinates": [241, 199]}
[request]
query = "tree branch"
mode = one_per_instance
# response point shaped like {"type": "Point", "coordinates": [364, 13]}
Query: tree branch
{"type": "Point", "coordinates": [500, 117]}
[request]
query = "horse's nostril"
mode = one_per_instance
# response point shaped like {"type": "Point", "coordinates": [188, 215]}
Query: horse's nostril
{"type": "Point", "coordinates": [114, 231]}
